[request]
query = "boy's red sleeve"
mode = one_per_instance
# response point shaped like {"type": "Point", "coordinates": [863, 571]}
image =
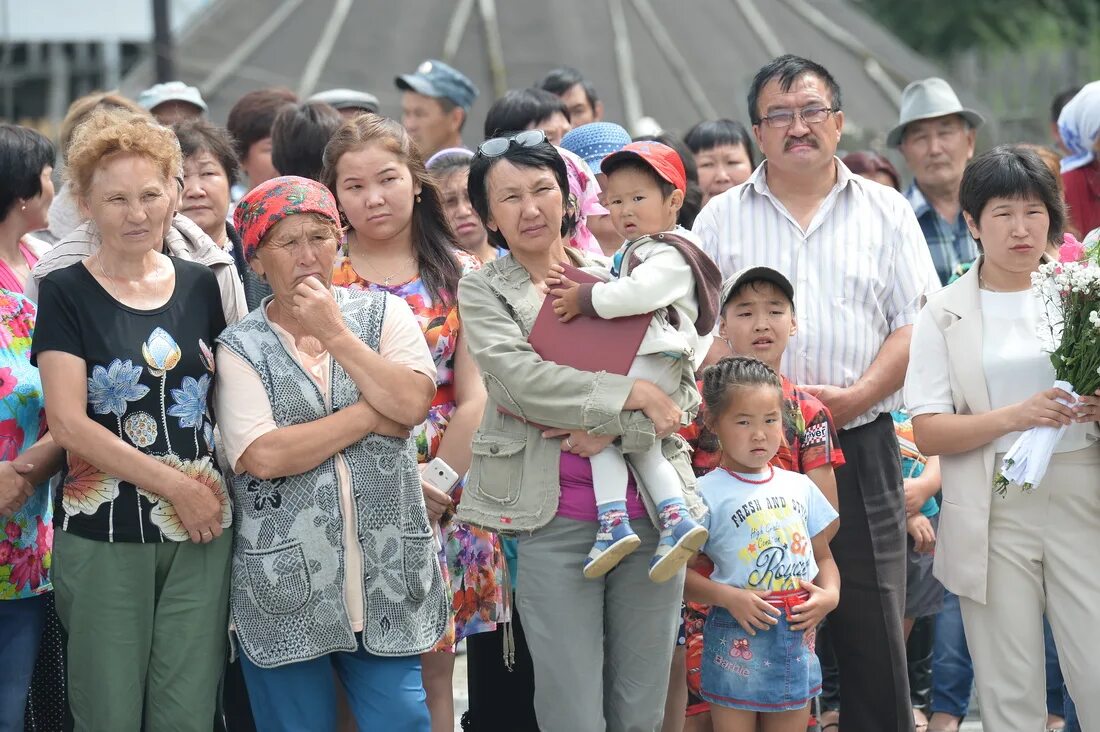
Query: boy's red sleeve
{"type": "Point", "coordinates": [819, 445]}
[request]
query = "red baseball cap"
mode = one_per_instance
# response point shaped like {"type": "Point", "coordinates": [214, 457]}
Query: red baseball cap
{"type": "Point", "coordinates": [663, 159]}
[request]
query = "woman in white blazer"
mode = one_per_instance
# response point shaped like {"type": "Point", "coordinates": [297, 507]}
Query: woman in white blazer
{"type": "Point", "coordinates": [979, 374]}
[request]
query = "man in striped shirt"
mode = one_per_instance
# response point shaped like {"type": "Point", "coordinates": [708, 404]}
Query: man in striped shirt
{"type": "Point", "coordinates": [859, 265]}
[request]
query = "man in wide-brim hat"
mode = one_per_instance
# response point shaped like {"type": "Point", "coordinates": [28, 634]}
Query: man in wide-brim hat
{"type": "Point", "coordinates": [936, 134]}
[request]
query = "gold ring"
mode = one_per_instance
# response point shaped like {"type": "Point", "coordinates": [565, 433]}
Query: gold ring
{"type": "Point", "coordinates": [569, 443]}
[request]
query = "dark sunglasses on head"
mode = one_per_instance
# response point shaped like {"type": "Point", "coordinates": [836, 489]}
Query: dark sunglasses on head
{"type": "Point", "coordinates": [497, 146]}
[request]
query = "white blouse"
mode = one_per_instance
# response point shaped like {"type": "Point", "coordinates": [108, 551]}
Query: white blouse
{"type": "Point", "coordinates": [1015, 358]}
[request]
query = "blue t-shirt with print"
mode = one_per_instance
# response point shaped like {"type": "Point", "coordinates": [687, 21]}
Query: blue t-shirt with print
{"type": "Point", "coordinates": [761, 531]}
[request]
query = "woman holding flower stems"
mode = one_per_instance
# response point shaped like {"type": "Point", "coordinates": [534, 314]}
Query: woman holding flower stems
{"type": "Point", "coordinates": [980, 374]}
{"type": "Point", "coordinates": [141, 558]}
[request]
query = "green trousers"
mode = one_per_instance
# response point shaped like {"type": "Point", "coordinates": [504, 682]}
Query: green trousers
{"type": "Point", "coordinates": [147, 631]}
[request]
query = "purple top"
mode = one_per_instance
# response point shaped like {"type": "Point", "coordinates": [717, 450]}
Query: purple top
{"type": "Point", "coordinates": [578, 500]}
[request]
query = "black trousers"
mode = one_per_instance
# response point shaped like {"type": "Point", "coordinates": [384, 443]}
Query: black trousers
{"type": "Point", "coordinates": [501, 700]}
{"type": "Point", "coordinates": [866, 628]}
{"type": "Point", "coordinates": [918, 651]}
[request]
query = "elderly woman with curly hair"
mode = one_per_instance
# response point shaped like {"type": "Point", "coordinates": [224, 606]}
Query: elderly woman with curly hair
{"type": "Point", "coordinates": [123, 344]}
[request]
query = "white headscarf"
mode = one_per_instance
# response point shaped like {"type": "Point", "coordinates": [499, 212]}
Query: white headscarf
{"type": "Point", "coordinates": [1079, 126]}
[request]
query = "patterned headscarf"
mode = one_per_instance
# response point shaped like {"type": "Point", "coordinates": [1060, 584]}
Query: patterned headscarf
{"type": "Point", "coordinates": [584, 195]}
{"type": "Point", "coordinates": [272, 201]}
{"type": "Point", "coordinates": [1079, 126]}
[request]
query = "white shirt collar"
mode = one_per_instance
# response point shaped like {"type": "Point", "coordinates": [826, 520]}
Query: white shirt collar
{"type": "Point", "coordinates": [758, 181]}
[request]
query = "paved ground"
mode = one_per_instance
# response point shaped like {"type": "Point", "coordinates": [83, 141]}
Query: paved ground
{"type": "Point", "coordinates": [460, 689]}
{"type": "Point", "coordinates": [973, 725]}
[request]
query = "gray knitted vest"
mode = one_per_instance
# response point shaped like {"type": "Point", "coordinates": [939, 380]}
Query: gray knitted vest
{"type": "Point", "coordinates": [287, 591]}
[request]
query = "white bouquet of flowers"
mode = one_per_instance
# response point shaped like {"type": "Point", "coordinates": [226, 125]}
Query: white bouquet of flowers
{"type": "Point", "coordinates": [1070, 290]}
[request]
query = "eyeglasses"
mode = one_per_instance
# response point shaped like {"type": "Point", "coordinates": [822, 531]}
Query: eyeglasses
{"type": "Point", "coordinates": [497, 146]}
{"type": "Point", "coordinates": [809, 115]}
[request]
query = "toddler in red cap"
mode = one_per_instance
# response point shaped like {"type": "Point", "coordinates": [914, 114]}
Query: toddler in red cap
{"type": "Point", "coordinates": [660, 269]}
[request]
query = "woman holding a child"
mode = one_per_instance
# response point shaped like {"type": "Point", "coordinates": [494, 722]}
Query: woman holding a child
{"type": "Point", "coordinates": [530, 472]}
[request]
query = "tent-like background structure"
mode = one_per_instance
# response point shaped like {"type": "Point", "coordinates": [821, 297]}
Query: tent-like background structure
{"type": "Point", "coordinates": [676, 61]}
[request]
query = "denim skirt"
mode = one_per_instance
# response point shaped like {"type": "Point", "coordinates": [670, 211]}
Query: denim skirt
{"type": "Point", "coordinates": [775, 670]}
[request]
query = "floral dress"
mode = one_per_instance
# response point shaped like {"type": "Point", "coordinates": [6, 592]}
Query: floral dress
{"type": "Point", "coordinates": [474, 560]}
{"type": "Point", "coordinates": [27, 540]}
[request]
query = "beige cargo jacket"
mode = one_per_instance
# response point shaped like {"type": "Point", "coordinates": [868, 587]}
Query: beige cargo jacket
{"type": "Point", "coordinates": [513, 484]}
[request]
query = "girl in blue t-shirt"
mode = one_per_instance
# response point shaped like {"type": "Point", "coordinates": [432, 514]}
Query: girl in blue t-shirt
{"type": "Point", "coordinates": [774, 578]}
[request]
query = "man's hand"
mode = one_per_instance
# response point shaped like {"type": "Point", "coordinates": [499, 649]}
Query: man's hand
{"type": "Point", "coordinates": [844, 403]}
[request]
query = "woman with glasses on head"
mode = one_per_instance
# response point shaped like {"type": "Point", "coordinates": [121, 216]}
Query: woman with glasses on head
{"type": "Point", "coordinates": [398, 241]}
{"type": "Point", "coordinates": [604, 645]}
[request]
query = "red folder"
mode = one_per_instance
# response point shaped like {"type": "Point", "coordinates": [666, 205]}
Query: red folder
{"type": "Point", "coordinates": [585, 343]}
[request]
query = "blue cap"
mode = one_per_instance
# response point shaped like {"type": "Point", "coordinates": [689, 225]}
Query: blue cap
{"type": "Point", "coordinates": [170, 91]}
{"type": "Point", "coordinates": [436, 79]}
{"type": "Point", "coordinates": [595, 141]}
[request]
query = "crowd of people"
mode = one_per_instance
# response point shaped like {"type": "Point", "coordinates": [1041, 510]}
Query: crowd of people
{"type": "Point", "coordinates": [298, 449]}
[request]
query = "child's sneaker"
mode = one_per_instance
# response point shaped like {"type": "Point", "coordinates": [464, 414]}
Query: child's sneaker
{"type": "Point", "coordinates": [677, 544]}
{"type": "Point", "coordinates": [614, 540]}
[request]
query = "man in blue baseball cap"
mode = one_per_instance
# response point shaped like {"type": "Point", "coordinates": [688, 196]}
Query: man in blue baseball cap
{"type": "Point", "coordinates": [434, 105]}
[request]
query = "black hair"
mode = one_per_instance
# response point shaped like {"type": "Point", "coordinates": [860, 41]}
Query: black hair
{"type": "Point", "coordinates": [693, 196]}
{"type": "Point", "coordinates": [298, 138]}
{"type": "Point", "coordinates": [712, 133]}
{"type": "Point", "coordinates": [734, 372]}
{"type": "Point", "coordinates": [788, 69]}
{"type": "Point", "coordinates": [1060, 100]}
{"type": "Point", "coordinates": [543, 155]}
{"type": "Point", "coordinates": [1012, 171]}
{"type": "Point", "coordinates": [24, 154]}
{"type": "Point", "coordinates": [447, 105]}
{"type": "Point", "coordinates": [564, 78]}
{"type": "Point", "coordinates": [197, 135]}
{"type": "Point", "coordinates": [433, 241]}
{"type": "Point", "coordinates": [250, 119]}
{"type": "Point", "coordinates": [521, 109]}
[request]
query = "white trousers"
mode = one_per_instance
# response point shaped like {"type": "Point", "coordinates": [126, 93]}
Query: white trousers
{"type": "Point", "coordinates": [1044, 556]}
{"type": "Point", "coordinates": [659, 479]}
